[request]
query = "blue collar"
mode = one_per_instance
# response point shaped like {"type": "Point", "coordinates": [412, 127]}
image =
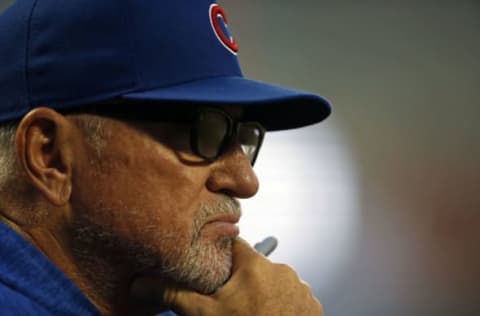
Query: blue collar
{"type": "Point", "coordinates": [28, 279]}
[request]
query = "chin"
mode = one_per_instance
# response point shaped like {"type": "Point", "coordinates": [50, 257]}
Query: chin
{"type": "Point", "coordinates": [204, 267]}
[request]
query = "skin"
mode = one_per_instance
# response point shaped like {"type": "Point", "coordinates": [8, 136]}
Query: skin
{"type": "Point", "coordinates": [107, 220]}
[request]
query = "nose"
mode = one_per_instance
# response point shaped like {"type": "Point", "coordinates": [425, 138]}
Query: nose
{"type": "Point", "coordinates": [232, 174]}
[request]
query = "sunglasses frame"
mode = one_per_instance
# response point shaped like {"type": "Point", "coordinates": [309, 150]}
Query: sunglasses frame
{"type": "Point", "coordinates": [233, 128]}
{"type": "Point", "coordinates": [123, 109]}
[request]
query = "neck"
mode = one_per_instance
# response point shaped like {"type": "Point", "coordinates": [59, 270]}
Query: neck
{"type": "Point", "coordinates": [101, 273]}
{"type": "Point", "coordinates": [105, 272]}
{"type": "Point", "coordinates": [104, 283]}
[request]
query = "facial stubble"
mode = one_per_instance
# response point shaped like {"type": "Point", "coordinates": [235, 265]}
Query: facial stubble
{"type": "Point", "coordinates": [205, 264]}
{"type": "Point", "coordinates": [193, 261]}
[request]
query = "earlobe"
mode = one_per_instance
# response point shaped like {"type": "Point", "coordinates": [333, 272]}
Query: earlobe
{"type": "Point", "coordinates": [45, 154]}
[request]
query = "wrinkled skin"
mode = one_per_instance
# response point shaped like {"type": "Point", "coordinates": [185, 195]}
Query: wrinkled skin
{"type": "Point", "coordinates": [146, 212]}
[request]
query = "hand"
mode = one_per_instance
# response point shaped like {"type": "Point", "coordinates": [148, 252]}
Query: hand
{"type": "Point", "coordinates": [257, 287]}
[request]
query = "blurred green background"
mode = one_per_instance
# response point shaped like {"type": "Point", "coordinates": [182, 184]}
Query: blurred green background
{"type": "Point", "coordinates": [394, 178]}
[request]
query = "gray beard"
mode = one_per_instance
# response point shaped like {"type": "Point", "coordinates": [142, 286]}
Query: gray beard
{"type": "Point", "coordinates": [189, 261]}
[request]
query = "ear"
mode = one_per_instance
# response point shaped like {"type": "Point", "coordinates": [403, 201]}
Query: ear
{"type": "Point", "coordinates": [43, 146]}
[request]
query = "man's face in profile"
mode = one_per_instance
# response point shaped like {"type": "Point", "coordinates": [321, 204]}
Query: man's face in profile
{"type": "Point", "coordinates": [145, 200]}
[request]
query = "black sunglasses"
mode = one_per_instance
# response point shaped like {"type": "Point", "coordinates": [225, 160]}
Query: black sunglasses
{"type": "Point", "coordinates": [212, 131]}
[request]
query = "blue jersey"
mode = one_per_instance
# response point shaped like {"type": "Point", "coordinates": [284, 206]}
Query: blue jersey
{"type": "Point", "coordinates": [30, 284]}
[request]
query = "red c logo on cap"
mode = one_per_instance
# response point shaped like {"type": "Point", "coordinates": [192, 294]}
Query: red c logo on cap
{"type": "Point", "coordinates": [218, 20]}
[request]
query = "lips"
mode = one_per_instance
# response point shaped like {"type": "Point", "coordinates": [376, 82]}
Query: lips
{"type": "Point", "coordinates": [222, 224]}
{"type": "Point", "coordinates": [227, 218]}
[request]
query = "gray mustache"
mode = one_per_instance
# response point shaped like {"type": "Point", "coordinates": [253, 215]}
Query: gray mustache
{"type": "Point", "coordinates": [224, 205]}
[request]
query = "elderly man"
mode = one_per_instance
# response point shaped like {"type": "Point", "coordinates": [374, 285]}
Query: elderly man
{"type": "Point", "coordinates": [127, 134]}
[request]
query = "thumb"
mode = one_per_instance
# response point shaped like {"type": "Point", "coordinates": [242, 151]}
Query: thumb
{"type": "Point", "coordinates": [242, 253]}
{"type": "Point", "coordinates": [169, 296]}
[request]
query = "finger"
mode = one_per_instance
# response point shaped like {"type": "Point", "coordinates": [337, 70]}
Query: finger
{"type": "Point", "coordinates": [242, 253]}
{"type": "Point", "coordinates": [170, 296]}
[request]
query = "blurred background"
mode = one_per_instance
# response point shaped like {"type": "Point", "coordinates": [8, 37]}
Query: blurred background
{"type": "Point", "coordinates": [378, 207]}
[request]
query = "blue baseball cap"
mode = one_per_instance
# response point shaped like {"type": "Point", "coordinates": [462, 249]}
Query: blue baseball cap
{"type": "Point", "coordinates": [68, 54]}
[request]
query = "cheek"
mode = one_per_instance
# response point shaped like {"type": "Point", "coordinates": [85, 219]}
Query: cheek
{"type": "Point", "coordinates": [135, 195]}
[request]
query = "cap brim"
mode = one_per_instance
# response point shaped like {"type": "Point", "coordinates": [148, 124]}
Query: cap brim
{"type": "Point", "coordinates": [276, 107]}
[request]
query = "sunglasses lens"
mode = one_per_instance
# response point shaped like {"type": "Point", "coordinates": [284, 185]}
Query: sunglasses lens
{"type": "Point", "coordinates": [250, 137]}
{"type": "Point", "coordinates": [211, 130]}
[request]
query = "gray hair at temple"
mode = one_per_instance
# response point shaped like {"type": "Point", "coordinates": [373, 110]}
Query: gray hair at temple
{"type": "Point", "coordinates": [10, 181]}
{"type": "Point", "coordinates": [8, 169]}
